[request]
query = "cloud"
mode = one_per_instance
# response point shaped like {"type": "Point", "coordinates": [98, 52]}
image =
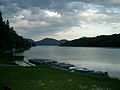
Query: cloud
{"type": "Point", "coordinates": [106, 3]}
{"type": "Point", "coordinates": [52, 14]}
{"type": "Point", "coordinates": [8, 8]}
{"type": "Point", "coordinates": [62, 18]}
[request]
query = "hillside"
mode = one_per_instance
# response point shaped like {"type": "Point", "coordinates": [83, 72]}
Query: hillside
{"type": "Point", "coordinates": [99, 41]}
{"type": "Point", "coordinates": [50, 41]}
{"type": "Point", "coordinates": [31, 42]}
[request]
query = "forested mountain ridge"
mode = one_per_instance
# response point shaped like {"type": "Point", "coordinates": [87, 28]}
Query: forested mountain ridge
{"type": "Point", "coordinates": [9, 38]}
{"type": "Point", "coordinates": [99, 41]}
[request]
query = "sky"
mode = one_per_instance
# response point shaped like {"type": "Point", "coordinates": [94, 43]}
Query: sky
{"type": "Point", "coordinates": [62, 19]}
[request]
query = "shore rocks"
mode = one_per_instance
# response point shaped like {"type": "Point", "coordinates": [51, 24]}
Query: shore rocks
{"type": "Point", "coordinates": [65, 66]}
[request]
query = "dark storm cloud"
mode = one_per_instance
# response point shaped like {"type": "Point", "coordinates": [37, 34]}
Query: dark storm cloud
{"type": "Point", "coordinates": [8, 8]}
{"type": "Point", "coordinates": [12, 6]}
{"type": "Point", "coordinates": [32, 3]}
{"type": "Point", "coordinates": [56, 4]}
{"type": "Point", "coordinates": [46, 3]}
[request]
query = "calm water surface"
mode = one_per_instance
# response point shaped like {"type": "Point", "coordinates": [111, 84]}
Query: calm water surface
{"type": "Point", "coordinates": [99, 59]}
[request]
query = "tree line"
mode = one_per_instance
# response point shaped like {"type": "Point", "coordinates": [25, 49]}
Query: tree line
{"type": "Point", "coordinates": [99, 41]}
{"type": "Point", "coordinates": [9, 38]}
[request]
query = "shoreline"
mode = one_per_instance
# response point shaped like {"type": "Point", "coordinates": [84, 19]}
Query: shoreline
{"type": "Point", "coordinates": [13, 50]}
{"type": "Point", "coordinates": [64, 66]}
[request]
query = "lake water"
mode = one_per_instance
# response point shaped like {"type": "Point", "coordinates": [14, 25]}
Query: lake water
{"type": "Point", "coordinates": [99, 59]}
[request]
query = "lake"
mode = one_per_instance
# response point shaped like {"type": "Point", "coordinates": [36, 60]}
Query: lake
{"type": "Point", "coordinates": [99, 59]}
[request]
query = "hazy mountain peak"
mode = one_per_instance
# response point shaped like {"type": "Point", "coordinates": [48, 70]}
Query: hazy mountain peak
{"type": "Point", "coordinates": [50, 41]}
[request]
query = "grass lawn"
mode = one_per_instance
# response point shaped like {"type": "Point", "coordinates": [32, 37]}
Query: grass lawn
{"type": "Point", "coordinates": [48, 78]}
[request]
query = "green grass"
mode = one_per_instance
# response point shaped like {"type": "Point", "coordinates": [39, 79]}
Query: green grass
{"type": "Point", "coordinates": [48, 78]}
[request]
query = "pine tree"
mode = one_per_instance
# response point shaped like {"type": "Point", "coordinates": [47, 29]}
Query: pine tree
{"type": "Point", "coordinates": [9, 39]}
{"type": "Point", "coordinates": [1, 19]}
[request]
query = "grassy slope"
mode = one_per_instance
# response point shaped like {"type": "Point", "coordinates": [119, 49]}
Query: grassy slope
{"type": "Point", "coordinates": [47, 78]}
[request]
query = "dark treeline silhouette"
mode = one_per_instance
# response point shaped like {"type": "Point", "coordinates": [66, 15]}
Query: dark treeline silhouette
{"type": "Point", "coordinates": [9, 38]}
{"type": "Point", "coordinates": [99, 41]}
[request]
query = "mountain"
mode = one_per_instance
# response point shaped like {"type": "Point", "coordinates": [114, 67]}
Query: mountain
{"type": "Point", "coordinates": [63, 41]}
{"type": "Point", "coordinates": [50, 41]}
{"type": "Point", "coordinates": [99, 41]}
{"type": "Point", "coordinates": [31, 42]}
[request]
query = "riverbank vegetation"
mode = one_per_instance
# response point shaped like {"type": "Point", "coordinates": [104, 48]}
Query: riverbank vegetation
{"type": "Point", "coordinates": [44, 77]}
{"type": "Point", "coordinates": [9, 39]}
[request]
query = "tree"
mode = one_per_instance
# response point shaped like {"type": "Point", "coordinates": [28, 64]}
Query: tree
{"type": "Point", "coordinates": [7, 23]}
{"type": "Point", "coordinates": [9, 39]}
{"type": "Point", "coordinates": [1, 19]}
